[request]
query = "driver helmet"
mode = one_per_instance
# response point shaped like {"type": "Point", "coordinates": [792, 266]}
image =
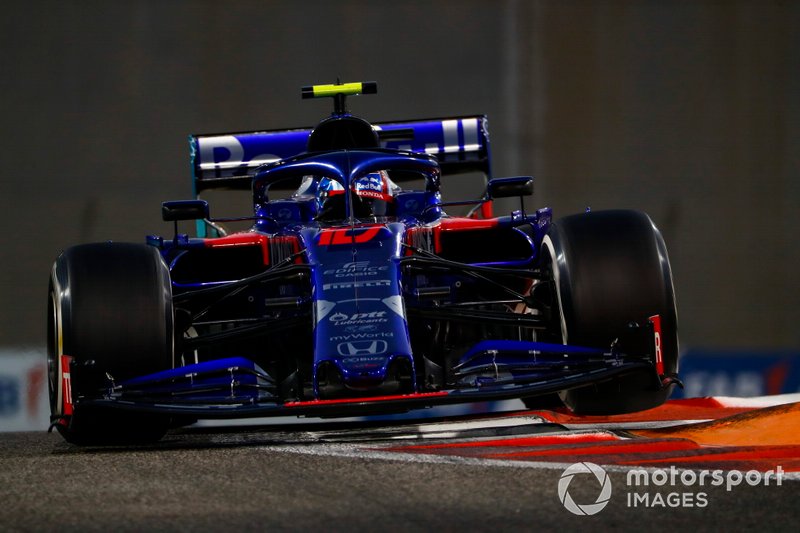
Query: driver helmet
{"type": "Point", "coordinates": [375, 190]}
{"type": "Point", "coordinates": [325, 188]}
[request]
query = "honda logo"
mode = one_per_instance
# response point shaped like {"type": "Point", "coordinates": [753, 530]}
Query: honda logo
{"type": "Point", "coordinates": [373, 347]}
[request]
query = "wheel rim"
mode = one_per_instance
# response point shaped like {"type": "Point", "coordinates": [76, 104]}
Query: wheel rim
{"type": "Point", "coordinates": [549, 260]}
{"type": "Point", "coordinates": [54, 344]}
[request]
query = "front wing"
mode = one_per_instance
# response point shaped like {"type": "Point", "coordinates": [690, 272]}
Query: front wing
{"type": "Point", "coordinates": [491, 370]}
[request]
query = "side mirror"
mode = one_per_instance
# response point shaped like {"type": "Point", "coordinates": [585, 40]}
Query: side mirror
{"type": "Point", "coordinates": [510, 187]}
{"type": "Point", "coordinates": [184, 210]}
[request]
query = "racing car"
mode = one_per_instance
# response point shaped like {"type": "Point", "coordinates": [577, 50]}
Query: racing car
{"type": "Point", "coordinates": [353, 292]}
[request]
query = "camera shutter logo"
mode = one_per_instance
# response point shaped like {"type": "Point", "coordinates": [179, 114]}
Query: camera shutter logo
{"type": "Point", "coordinates": [602, 498]}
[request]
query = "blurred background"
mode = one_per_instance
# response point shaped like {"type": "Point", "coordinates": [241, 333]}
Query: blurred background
{"type": "Point", "coordinates": [689, 111]}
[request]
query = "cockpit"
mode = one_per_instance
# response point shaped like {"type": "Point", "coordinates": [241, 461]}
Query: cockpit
{"type": "Point", "coordinates": [369, 185]}
{"type": "Point", "coordinates": [371, 195]}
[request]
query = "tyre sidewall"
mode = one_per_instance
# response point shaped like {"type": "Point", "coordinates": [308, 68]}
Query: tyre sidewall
{"type": "Point", "coordinates": [610, 269]}
{"type": "Point", "coordinates": [110, 310]}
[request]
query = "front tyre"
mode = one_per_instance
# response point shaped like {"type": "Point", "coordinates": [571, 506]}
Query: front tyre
{"type": "Point", "coordinates": [110, 311]}
{"type": "Point", "coordinates": [610, 268]}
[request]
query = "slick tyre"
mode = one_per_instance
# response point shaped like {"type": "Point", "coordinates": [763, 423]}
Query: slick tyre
{"type": "Point", "coordinates": [110, 310]}
{"type": "Point", "coordinates": [610, 269]}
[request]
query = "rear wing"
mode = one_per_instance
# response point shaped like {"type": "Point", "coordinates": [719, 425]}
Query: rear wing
{"type": "Point", "coordinates": [229, 160]}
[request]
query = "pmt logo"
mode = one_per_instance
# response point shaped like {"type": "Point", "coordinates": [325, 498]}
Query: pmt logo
{"type": "Point", "coordinates": [602, 498]}
{"type": "Point", "coordinates": [346, 319]}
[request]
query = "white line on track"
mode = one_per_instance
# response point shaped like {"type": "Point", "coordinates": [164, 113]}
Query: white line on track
{"type": "Point", "coordinates": [358, 452]}
{"type": "Point", "coordinates": [760, 401]}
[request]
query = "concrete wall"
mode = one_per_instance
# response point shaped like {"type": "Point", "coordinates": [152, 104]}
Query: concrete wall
{"type": "Point", "coordinates": [687, 110]}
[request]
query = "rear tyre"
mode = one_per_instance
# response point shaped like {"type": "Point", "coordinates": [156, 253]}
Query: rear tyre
{"type": "Point", "coordinates": [610, 268]}
{"type": "Point", "coordinates": [110, 310]}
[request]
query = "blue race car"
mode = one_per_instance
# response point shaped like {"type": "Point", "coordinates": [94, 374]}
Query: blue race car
{"type": "Point", "coordinates": [353, 292]}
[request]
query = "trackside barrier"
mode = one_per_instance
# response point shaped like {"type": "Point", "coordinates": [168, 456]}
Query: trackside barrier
{"type": "Point", "coordinates": [742, 373]}
{"type": "Point", "coordinates": [24, 404]}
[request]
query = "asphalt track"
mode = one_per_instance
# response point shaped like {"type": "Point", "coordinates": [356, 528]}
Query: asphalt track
{"type": "Point", "coordinates": [483, 473]}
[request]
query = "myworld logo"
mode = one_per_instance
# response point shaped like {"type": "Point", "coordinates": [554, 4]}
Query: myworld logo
{"type": "Point", "coordinates": [604, 489]}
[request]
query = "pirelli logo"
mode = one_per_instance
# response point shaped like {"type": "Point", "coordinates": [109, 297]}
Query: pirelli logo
{"type": "Point", "coordinates": [357, 284]}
